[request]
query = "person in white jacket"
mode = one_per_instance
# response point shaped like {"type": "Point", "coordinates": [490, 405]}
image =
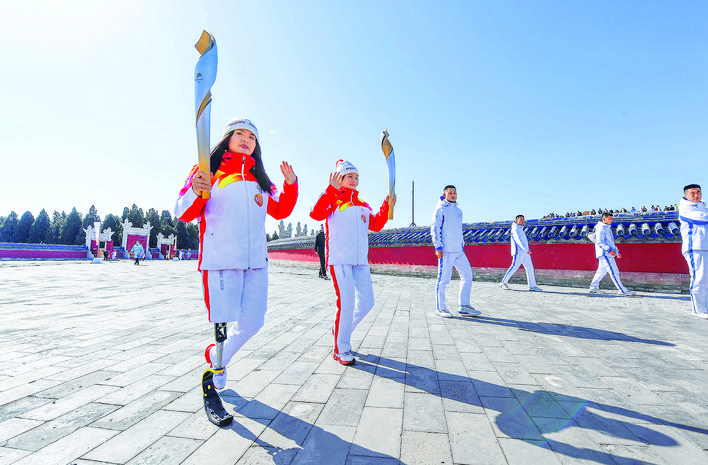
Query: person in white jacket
{"type": "Point", "coordinates": [693, 216]}
{"type": "Point", "coordinates": [521, 255]}
{"type": "Point", "coordinates": [606, 251]}
{"type": "Point", "coordinates": [348, 220]}
{"type": "Point", "coordinates": [233, 257]}
{"type": "Point", "coordinates": [449, 244]}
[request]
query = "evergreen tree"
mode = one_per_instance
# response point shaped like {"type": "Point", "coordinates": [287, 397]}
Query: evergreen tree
{"type": "Point", "coordinates": [113, 222]}
{"type": "Point", "coordinates": [39, 229]}
{"type": "Point", "coordinates": [154, 220]}
{"type": "Point", "coordinates": [8, 227]}
{"type": "Point", "coordinates": [182, 236]}
{"type": "Point", "coordinates": [136, 216]}
{"type": "Point", "coordinates": [126, 212]}
{"type": "Point", "coordinates": [193, 233]}
{"type": "Point", "coordinates": [90, 218]}
{"type": "Point", "coordinates": [23, 227]}
{"type": "Point", "coordinates": [274, 237]}
{"type": "Point", "coordinates": [166, 224]}
{"type": "Point", "coordinates": [71, 228]}
{"type": "Point", "coordinates": [54, 233]}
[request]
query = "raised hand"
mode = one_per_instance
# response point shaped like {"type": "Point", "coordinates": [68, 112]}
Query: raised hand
{"type": "Point", "coordinates": [335, 180]}
{"type": "Point", "coordinates": [288, 173]}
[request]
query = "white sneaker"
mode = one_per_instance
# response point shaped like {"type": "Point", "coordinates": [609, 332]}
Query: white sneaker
{"type": "Point", "coordinates": [468, 310]}
{"type": "Point", "coordinates": [219, 378]}
{"type": "Point", "coordinates": [595, 290]}
{"type": "Point", "coordinates": [504, 286]}
{"type": "Point", "coordinates": [443, 313]}
{"type": "Point", "coordinates": [702, 316]}
{"type": "Point", "coordinates": [535, 289]}
{"type": "Point", "coordinates": [627, 293]}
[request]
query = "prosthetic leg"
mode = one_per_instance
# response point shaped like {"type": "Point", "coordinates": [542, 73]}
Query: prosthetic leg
{"type": "Point", "coordinates": [216, 413]}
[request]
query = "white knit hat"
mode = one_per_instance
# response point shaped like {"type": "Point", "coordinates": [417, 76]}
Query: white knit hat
{"type": "Point", "coordinates": [240, 123]}
{"type": "Point", "coordinates": [346, 167]}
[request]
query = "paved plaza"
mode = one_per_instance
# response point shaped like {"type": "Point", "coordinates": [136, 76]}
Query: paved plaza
{"type": "Point", "coordinates": [102, 364]}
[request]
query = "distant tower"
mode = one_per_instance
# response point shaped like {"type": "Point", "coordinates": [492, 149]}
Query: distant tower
{"type": "Point", "coordinates": [412, 204]}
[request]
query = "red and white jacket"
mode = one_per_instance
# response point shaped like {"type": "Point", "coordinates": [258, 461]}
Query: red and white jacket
{"type": "Point", "coordinates": [349, 220]}
{"type": "Point", "coordinates": [232, 222]}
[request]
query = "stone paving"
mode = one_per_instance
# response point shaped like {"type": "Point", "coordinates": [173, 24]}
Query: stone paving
{"type": "Point", "coordinates": [101, 364]}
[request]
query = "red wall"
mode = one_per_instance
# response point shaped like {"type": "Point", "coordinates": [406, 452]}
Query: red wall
{"type": "Point", "coordinates": [654, 257]}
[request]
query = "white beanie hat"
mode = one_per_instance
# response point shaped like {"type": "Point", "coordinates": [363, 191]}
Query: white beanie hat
{"type": "Point", "coordinates": [240, 123]}
{"type": "Point", "coordinates": [345, 167]}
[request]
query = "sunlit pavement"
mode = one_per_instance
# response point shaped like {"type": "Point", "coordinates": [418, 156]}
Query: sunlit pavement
{"type": "Point", "coordinates": [101, 364]}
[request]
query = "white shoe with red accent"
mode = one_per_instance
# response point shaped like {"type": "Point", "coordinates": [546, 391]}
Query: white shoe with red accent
{"type": "Point", "coordinates": [219, 378]}
{"type": "Point", "coordinates": [345, 359]}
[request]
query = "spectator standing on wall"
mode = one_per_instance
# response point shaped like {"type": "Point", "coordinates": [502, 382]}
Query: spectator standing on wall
{"type": "Point", "coordinates": [606, 251]}
{"type": "Point", "coordinates": [693, 216]}
{"type": "Point", "coordinates": [449, 243]}
{"type": "Point", "coordinates": [521, 255]}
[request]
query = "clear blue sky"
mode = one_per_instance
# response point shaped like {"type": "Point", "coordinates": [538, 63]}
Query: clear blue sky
{"type": "Point", "coordinates": [526, 106]}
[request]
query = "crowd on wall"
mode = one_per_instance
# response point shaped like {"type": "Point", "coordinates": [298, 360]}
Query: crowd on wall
{"type": "Point", "coordinates": [600, 211]}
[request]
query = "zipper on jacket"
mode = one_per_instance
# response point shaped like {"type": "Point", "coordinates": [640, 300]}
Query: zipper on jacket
{"type": "Point", "coordinates": [248, 210]}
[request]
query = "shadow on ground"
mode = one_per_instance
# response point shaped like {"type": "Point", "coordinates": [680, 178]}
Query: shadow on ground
{"type": "Point", "coordinates": [566, 330]}
{"type": "Point", "coordinates": [312, 444]}
{"type": "Point", "coordinates": [532, 416]}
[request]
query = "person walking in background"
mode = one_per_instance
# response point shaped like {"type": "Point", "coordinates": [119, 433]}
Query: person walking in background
{"type": "Point", "coordinates": [320, 249]}
{"type": "Point", "coordinates": [693, 216]}
{"type": "Point", "coordinates": [521, 253]}
{"type": "Point", "coordinates": [449, 243]}
{"type": "Point", "coordinates": [349, 220]}
{"type": "Point", "coordinates": [606, 251]}
{"type": "Point", "coordinates": [138, 252]}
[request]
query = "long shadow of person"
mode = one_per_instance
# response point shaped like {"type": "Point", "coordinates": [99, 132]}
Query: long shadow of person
{"type": "Point", "coordinates": [531, 416]}
{"type": "Point", "coordinates": [566, 330]}
{"type": "Point", "coordinates": [305, 443]}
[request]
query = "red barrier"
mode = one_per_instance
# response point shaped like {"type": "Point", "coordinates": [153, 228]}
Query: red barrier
{"type": "Point", "coordinates": [651, 257]}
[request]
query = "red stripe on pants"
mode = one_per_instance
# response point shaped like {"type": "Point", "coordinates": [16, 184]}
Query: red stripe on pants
{"type": "Point", "coordinates": [339, 307]}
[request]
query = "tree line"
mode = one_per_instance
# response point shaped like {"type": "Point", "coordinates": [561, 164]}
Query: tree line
{"type": "Point", "coordinates": [68, 229]}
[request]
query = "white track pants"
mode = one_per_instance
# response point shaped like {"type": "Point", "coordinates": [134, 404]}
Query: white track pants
{"type": "Point", "coordinates": [607, 265]}
{"type": "Point", "coordinates": [445, 264]}
{"type": "Point", "coordinates": [355, 298]}
{"type": "Point", "coordinates": [238, 296]}
{"type": "Point", "coordinates": [521, 258]}
{"type": "Point", "coordinates": [699, 280]}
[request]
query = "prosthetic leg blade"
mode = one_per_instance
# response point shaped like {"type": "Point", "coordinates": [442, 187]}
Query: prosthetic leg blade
{"type": "Point", "coordinates": [215, 411]}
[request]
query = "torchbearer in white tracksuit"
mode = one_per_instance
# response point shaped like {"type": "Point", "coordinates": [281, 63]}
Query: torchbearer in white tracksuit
{"type": "Point", "coordinates": [605, 252]}
{"type": "Point", "coordinates": [693, 215]}
{"type": "Point", "coordinates": [233, 258]}
{"type": "Point", "coordinates": [521, 255]}
{"type": "Point", "coordinates": [449, 243]}
{"type": "Point", "coordinates": [348, 222]}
